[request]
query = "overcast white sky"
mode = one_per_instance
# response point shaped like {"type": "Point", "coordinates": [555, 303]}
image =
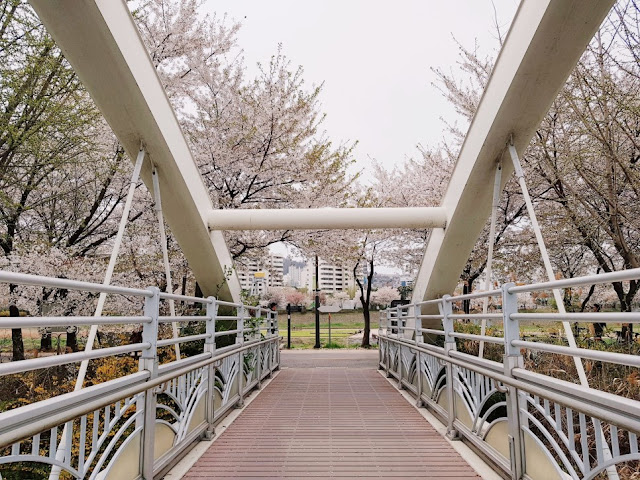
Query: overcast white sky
{"type": "Point", "coordinates": [374, 58]}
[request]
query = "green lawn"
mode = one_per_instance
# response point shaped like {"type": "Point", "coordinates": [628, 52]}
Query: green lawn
{"type": "Point", "coordinates": [343, 326]}
{"type": "Point", "coordinates": [346, 319]}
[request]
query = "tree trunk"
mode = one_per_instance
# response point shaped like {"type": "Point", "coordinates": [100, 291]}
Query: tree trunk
{"type": "Point", "coordinates": [16, 336]}
{"type": "Point", "coordinates": [45, 342]}
{"type": "Point", "coordinates": [184, 287]}
{"type": "Point", "coordinates": [466, 304]}
{"type": "Point", "coordinates": [367, 328]}
{"type": "Point", "coordinates": [365, 299]}
{"type": "Point", "coordinates": [72, 340]}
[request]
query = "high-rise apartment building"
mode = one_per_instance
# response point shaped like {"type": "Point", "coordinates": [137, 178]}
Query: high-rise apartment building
{"type": "Point", "coordinates": [294, 276]}
{"type": "Point", "coordinates": [333, 278]}
{"type": "Point", "coordinates": [259, 274]}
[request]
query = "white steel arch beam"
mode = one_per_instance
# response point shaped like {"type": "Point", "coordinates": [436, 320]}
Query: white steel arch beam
{"type": "Point", "coordinates": [543, 45]}
{"type": "Point", "coordinates": [328, 218]}
{"type": "Point", "coordinates": [101, 42]}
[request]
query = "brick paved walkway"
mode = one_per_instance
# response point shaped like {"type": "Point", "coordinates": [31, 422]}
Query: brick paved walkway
{"type": "Point", "coordinates": [330, 423]}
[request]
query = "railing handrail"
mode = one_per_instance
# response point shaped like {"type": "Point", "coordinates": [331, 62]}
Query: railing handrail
{"type": "Point", "coordinates": [57, 410]}
{"type": "Point", "coordinates": [595, 279]}
{"type": "Point", "coordinates": [398, 323]}
{"type": "Point", "coordinates": [589, 317]}
{"type": "Point", "coordinates": [589, 400]}
{"type": "Point", "coordinates": [70, 321]}
{"type": "Point", "coordinates": [457, 380]}
{"type": "Point", "coordinates": [32, 419]}
{"type": "Point", "coordinates": [53, 282]}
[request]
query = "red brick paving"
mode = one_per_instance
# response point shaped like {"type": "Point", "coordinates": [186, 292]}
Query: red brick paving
{"type": "Point", "coordinates": [330, 423]}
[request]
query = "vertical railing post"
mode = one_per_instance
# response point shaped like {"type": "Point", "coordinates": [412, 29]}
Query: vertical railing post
{"type": "Point", "coordinates": [240, 343]}
{"type": "Point", "coordinates": [269, 345]}
{"type": "Point", "coordinates": [380, 317]}
{"type": "Point", "coordinates": [259, 351]}
{"type": "Point", "coordinates": [400, 337]}
{"type": "Point", "coordinates": [210, 347]}
{"type": "Point", "coordinates": [418, 338]}
{"type": "Point", "coordinates": [387, 364]}
{"type": "Point", "coordinates": [449, 345]}
{"type": "Point", "coordinates": [276, 342]}
{"type": "Point", "coordinates": [149, 362]}
{"type": "Point", "coordinates": [513, 359]}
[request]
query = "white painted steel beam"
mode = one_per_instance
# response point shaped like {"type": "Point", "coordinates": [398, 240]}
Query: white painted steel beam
{"type": "Point", "coordinates": [327, 218]}
{"type": "Point", "coordinates": [101, 42]}
{"type": "Point", "coordinates": [543, 45]}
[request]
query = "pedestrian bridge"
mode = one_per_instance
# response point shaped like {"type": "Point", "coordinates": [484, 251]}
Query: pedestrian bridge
{"type": "Point", "coordinates": [523, 421]}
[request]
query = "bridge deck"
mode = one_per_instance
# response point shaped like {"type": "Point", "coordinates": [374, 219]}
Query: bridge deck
{"type": "Point", "coordinates": [334, 421]}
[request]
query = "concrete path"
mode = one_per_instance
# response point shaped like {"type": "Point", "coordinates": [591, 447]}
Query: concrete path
{"type": "Point", "coordinates": [330, 414]}
{"type": "Point", "coordinates": [338, 358]}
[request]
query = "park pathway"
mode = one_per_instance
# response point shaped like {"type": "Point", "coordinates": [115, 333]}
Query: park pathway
{"type": "Point", "coordinates": [330, 415]}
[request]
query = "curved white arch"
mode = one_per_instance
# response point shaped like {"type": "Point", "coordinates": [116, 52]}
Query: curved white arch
{"type": "Point", "coordinates": [100, 40]}
{"type": "Point", "coordinates": [546, 39]}
{"type": "Point", "coordinates": [543, 45]}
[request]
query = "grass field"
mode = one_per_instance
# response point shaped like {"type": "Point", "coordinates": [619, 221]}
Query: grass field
{"type": "Point", "coordinates": [343, 326]}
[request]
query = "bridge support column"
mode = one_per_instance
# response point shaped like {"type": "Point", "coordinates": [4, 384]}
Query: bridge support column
{"type": "Point", "coordinates": [449, 345]}
{"type": "Point", "coordinates": [149, 362]}
{"type": "Point", "coordinates": [157, 206]}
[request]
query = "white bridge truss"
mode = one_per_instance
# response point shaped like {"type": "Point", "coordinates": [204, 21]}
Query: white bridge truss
{"type": "Point", "coordinates": [100, 40]}
{"type": "Point", "coordinates": [528, 424]}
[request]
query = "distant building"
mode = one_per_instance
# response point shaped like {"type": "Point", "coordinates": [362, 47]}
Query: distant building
{"type": "Point", "coordinates": [333, 278]}
{"type": "Point", "coordinates": [275, 267]}
{"type": "Point", "coordinates": [257, 275]}
{"type": "Point", "coordinates": [294, 277]}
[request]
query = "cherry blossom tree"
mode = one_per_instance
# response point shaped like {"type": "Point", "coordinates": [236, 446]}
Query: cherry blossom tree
{"type": "Point", "coordinates": [257, 141]}
{"type": "Point", "coordinates": [586, 153]}
{"type": "Point", "coordinates": [384, 295]}
{"type": "Point", "coordinates": [296, 297]}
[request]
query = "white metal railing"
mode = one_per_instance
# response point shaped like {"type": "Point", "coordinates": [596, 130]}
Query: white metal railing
{"type": "Point", "coordinates": [529, 424]}
{"type": "Point", "coordinates": [156, 413]}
